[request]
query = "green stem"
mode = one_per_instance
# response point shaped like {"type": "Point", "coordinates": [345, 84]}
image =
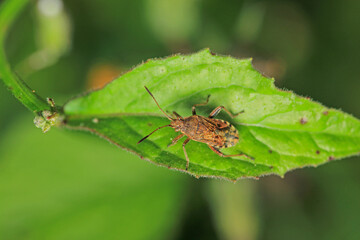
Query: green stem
{"type": "Point", "coordinates": [9, 10]}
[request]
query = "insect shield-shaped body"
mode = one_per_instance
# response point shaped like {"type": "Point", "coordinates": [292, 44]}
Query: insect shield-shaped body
{"type": "Point", "coordinates": [216, 133]}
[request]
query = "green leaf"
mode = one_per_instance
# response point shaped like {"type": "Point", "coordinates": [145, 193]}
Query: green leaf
{"type": "Point", "coordinates": [281, 130]}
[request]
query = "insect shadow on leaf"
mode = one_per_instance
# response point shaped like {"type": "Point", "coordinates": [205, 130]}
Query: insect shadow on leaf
{"type": "Point", "coordinates": [216, 133]}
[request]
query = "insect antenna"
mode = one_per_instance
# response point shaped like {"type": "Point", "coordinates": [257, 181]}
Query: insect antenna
{"type": "Point", "coordinates": [152, 133]}
{"type": "Point", "coordinates": [158, 104]}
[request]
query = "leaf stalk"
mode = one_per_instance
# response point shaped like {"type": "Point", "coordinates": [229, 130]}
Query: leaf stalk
{"type": "Point", "coordinates": [9, 10]}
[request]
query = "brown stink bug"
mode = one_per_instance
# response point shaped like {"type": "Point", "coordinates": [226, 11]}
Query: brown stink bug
{"type": "Point", "coordinates": [215, 133]}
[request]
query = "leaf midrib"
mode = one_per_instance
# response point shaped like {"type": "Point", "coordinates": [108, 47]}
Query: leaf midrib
{"type": "Point", "coordinates": [109, 115]}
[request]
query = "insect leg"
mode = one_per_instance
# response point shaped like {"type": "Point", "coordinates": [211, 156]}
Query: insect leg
{"type": "Point", "coordinates": [217, 151]}
{"type": "Point", "coordinates": [186, 156]}
{"type": "Point", "coordinates": [175, 140]}
{"type": "Point", "coordinates": [218, 109]}
{"type": "Point", "coordinates": [199, 104]}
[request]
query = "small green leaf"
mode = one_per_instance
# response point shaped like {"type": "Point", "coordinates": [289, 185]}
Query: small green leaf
{"type": "Point", "coordinates": [281, 130]}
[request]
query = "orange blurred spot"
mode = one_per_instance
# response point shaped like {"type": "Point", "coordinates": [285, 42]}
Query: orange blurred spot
{"type": "Point", "coordinates": [101, 74]}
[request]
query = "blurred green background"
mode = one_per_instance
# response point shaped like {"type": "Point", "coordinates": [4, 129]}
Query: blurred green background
{"type": "Point", "coordinates": [70, 185]}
